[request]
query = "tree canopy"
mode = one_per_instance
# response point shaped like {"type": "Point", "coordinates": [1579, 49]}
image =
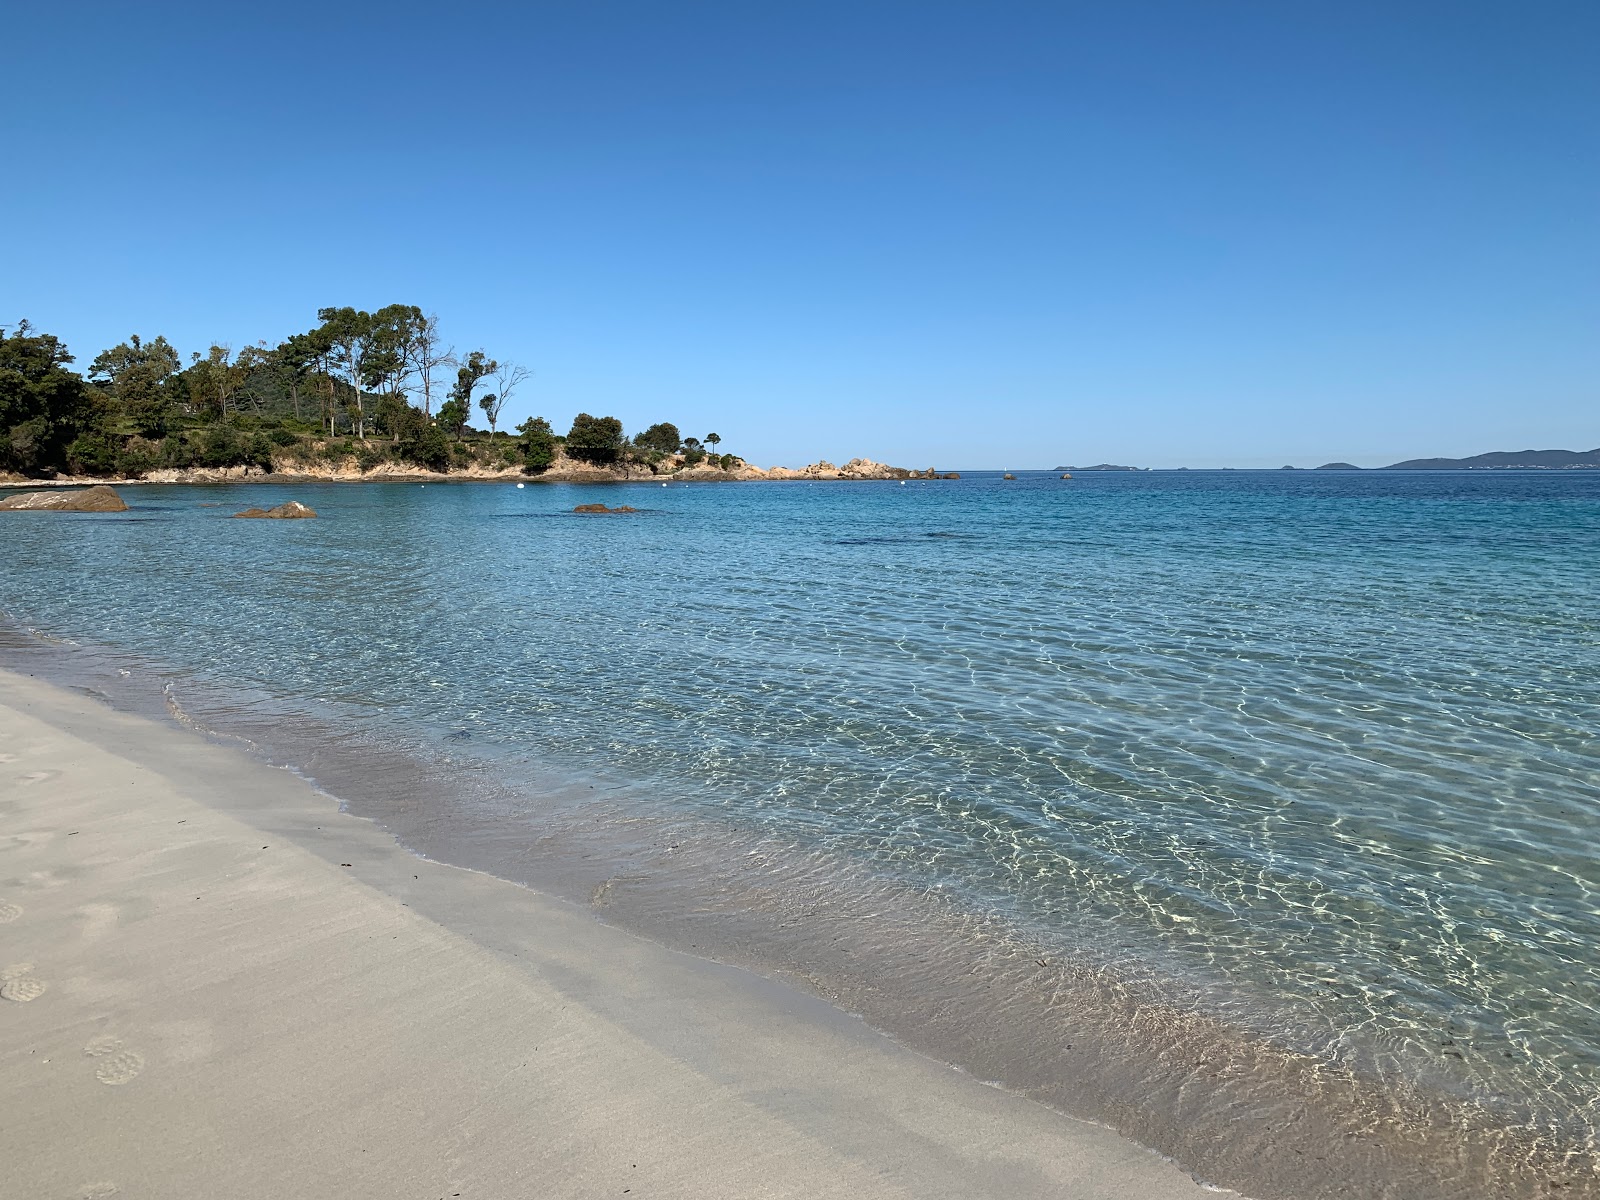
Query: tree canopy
{"type": "Point", "coordinates": [348, 388]}
{"type": "Point", "coordinates": [596, 440]}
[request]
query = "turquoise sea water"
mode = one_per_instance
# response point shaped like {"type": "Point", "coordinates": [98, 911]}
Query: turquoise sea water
{"type": "Point", "coordinates": [1325, 743]}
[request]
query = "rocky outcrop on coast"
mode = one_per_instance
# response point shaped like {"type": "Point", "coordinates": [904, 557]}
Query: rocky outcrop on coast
{"type": "Point", "coordinates": [563, 470]}
{"type": "Point", "coordinates": [99, 498]}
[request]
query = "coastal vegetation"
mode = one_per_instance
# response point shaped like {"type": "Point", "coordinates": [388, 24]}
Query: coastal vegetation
{"type": "Point", "coordinates": [368, 390]}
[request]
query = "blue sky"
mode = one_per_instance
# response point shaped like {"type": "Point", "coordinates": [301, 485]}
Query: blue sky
{"type": "Point", "coordinates": [961, 234]}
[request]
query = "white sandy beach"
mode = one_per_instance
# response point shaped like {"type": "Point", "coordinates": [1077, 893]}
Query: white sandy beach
{"type": "Point", "coordinates": [202, 999]}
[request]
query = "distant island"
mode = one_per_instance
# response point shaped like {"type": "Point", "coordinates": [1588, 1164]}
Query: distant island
{"type": "Point", "coordinates": [1498, 460]}
{"type": "Point", "coordinates": [1506, 460]}
{"type": "Point", "coordinates": [1100, 467]}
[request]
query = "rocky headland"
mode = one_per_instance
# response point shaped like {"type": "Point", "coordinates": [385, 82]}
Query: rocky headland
{"type": "Point", "coordinates": [562, 470]}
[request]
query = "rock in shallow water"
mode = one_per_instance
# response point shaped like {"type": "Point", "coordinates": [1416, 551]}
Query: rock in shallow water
{"type": "Point", "coordinates": [98, 498]}
{"type": "Point", "coordinates": [288, 511]}
{"type": "Point", "coordinates": [601, 508]}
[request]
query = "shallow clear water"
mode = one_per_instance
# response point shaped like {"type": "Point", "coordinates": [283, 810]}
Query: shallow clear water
{"type": "Point", "coordinates": [1326, 743]}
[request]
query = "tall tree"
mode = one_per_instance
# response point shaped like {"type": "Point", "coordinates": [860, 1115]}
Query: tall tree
{"type": "Point", "coordinates": [427, 355]}
{"type": "Point", "coordinates": [661, 438]}
{"type": "Point", "coordinates": [214, 379]}
{"type": "Point", "coordinates": [595, 440]}
{"type": "Point", "coordinates": [537, 444]}
{"type": "Point", "coordinates": [296, 360]}
{"type": "Point", "coordinates": [714, 440]}
{"type": "Point", "coordinates": [354, 349]}
{"type": "Point", "coordinates": [508, 376]}
{"type": "Point", "coordinates": [135, 372]}
{"type": "Point", "coordinates": [457, 410]}
{"type": "Point", "coordinates": [44, 407]}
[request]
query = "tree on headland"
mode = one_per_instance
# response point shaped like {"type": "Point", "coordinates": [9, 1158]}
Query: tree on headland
{"type": "Point", "coordinates": [350, 334]}
{"type": "Point", "coordinates": [426, 355]}
{"type": "Point", "coordinates": [455, 412]}
{"type": "Point", "coordinates": [661, 438]}
{"type": "Point", "coordinates": [713, 440]}
{"type": "Point", "coordinates": [45, 409]}
{"type": "Point", "coordinates": [338, 392]}
{"type": "Point", "coordinates": [596, 440]}
{"type": "Point", "coordinates": [215, 378]}
{"type": "Point", "coordinates": [137, 373]}
{"type": "Point", "coordinates": [508, 376]}
{"type": "Point", "coordinates": [537, 444]}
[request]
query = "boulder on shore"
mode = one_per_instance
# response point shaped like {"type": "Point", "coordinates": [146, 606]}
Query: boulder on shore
{"type": "Point", "coordinates": [601, 508]}
{"type": "Point", "coordinates": [98, 498]}
{"type": "Point", "coordinates": [290, 510]}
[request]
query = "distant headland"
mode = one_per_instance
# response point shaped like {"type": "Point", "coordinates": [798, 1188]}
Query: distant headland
{"type": "Point", "coordinates": [358, 396]}
{"type": "Point", "coordinates": [1101, 467]}
{"type": "Point", "coordinates": [1498, 460]}
{"type": "Point", "coordinates": [1502, 460]}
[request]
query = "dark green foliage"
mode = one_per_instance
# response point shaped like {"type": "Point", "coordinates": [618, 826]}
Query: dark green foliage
{"type": "Point", "coordinates": [477, 366]}
{"type": "Point", "coordinates": [142, 377]}
{"type": "Point", "coordinates": [452, 418]}
{"type": "Point", "coordinates": [727, 462]}
{"type": "Point", "coordinates": [421, 441]}
{"type": "Point", "coordinates": [536, 442]}
{"type": "Point", "coordinates": [596, 440]}
{"type": "Point", "coordinates": [223, 446]}
{"type": "Point", "coordinates": [94, 453]}
{"type": "Point", "coordinates": [662, 438]}
{"type": "Point", "coordinates": [300, 400]}
{"type": "Point", "coordinates": [44, 407]}
{"type": "Point", "coordinates": [138, 457]}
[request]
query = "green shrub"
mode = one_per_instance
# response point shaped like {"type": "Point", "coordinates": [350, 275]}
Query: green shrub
{"type": "Point", "coordinates": [426, 446]}
{"type": "Point", "coordinates": [536, 445]}
{"type": "Point", "coordinates": [92, 453]}
{"type": "Point", "coordinates": [370, 455]}
{"type": "Point", "coordinates": [139, 457]}
{"type": "Point", "coordinates": [283, 437]}
{"type": "Point", "coordinates": [175, 452]}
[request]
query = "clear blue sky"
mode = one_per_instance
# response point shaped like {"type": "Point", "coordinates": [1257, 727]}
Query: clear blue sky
{"type": "Point", "coordinates": [978, 234]}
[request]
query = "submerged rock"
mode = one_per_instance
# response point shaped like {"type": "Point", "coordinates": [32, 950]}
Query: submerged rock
{"type": "Point", "coordinates": [98, 498]}
{"type": "Point", "coordinates": [601, 508]}
{"type": "Point", "coordinates": [289, 510]}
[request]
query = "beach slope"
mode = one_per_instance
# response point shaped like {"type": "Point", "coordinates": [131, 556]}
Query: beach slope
{"type": "Point", "coordinates": [216, 984]}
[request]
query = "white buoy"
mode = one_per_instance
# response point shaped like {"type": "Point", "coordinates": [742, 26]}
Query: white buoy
{"type": "Point", "coordinates": [663, 485]}
{"type": "Point", "coordinates": [520, 485]}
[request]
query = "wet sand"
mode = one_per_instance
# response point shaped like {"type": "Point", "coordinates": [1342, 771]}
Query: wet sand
{"type": "Point", "coordinates": [216, 984]}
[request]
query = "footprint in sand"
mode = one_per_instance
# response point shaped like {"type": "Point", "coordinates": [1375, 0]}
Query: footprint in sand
{"type": "Point", "coordinates": [39, 776]}
{"type": "Point", "coordinates": [97, 1191]}
{"type": "Point", "coordinates": [18, 985]}
{"type": "Point", "coordinates": [9, 912]}
{"type": "Point", "coordinates": [8, 758]}
{"type": "Point", "coordinates": [118, 1064]}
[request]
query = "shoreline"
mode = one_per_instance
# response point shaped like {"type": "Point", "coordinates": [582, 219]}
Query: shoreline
{"type": "Point", "coordinates": [204, 997]}
{"type": "Point", "coordinates": [857, 470]}
{"type": "Point", "coordinates": [1092, 1046]}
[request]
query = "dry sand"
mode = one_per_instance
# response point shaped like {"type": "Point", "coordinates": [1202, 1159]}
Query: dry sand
{"type": "Point", "coordinates": [217, 985]}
